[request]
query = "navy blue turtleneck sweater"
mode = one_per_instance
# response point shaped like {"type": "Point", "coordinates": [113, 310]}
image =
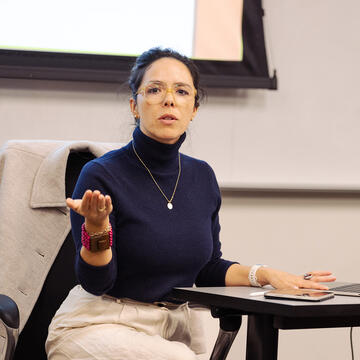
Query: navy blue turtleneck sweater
{"type": "Point", "coordinates": [154, 248]}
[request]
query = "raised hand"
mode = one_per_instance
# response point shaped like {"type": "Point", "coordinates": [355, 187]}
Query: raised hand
{"type": "Point", "coordinates": [94, 207]}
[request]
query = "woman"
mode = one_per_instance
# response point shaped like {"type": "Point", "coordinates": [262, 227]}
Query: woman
{"type": "Point", "coordinates": [145, 219]}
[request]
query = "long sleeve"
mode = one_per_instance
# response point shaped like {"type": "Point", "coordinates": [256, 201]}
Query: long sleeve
{"type": "Point", "coordinates": [213, 273]}
{"type": "Point", "coordinates": [94, 279]}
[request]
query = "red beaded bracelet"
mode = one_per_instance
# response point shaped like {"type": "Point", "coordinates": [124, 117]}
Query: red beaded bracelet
{"type": "Point", "coordinates": [97, 241]}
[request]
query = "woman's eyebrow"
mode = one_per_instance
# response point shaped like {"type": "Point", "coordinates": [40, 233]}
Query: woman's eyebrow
{"type": "Point", "coordinates": [182, 84]}
{"type": "Point", "coordinates": [156, 81]}
{"type": "Point", "coordinates": [175, 83]}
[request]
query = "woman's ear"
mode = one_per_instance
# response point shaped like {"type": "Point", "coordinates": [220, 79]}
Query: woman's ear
{"type": "Point", "coordinates": [133, 108]}
{"type": "Point", "coordinates": [194, 112]}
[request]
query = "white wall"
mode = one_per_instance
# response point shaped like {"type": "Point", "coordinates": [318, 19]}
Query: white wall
{"type": "Point", "coordinates": [296, 233]}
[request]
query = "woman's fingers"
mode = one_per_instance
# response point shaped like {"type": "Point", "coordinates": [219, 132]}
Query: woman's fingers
{"type": "Point", "coordinates": [81, 206]}
{"type": "Point", "coordinates": [321, 273]}
{"type": "Point", "coordinates": [323, 278]}
{"type": "Point", "coordinates": [86, 201]}
{"type": "Point", "coordinates": [94, 202]}
{"type": "Point", "coordinates": [320, 276]}
{"type": "Point", "coordinates": [317, 277]}
{"type": "Point", "coordinates": [280, 279]}
{"type": "Point", "coordinates": [108, 204]}
{"type": "Point", "coordinates": [308, 284]}
{"type": "Point", "coordinates": [94, 206]}
{"type": "Point", "coordinates": [101, 203]}
{"type": "Point", "coordinates": [73, 204]}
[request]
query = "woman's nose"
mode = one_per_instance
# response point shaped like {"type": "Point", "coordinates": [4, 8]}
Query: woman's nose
{"type": "Point", "coordinates": [169, 99]}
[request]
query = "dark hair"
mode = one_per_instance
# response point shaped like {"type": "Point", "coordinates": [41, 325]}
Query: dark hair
{"type": "Point", "coordinates": [148, 57]}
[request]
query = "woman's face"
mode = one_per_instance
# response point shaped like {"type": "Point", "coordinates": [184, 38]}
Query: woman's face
{"type": "Point", "coordinates": [167, 120]}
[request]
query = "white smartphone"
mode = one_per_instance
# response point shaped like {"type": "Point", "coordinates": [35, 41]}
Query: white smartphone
{"type": "Point", "coordinates": [299, 294]}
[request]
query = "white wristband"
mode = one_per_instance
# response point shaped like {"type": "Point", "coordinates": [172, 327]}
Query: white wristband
{"type": "Point", "coordinates": [252, 274]}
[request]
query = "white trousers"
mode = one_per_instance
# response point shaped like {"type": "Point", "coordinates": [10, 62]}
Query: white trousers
{"type": "Point", "coordinates": [100, 327]}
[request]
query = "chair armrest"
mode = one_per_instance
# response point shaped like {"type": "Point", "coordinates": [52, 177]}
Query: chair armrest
{"type": "Point", "coordinates": [9, 312]}
{"type": "Point", "coordinates": [9, 317]}
{"type": "Point", "coordinates": [230, 322]}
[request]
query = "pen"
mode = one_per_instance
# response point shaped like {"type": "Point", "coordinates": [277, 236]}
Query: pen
{"type": "Point", "coordinates": [258, 293]}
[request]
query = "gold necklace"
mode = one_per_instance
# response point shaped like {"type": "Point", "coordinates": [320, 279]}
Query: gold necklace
{"type": "Point", "coordinates": [169, 204]}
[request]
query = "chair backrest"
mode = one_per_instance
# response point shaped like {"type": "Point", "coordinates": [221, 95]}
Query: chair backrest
{"type": "Point", "coordinates": [61, 278]}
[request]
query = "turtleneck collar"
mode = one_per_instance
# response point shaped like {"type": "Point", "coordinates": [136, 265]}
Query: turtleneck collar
{"type": "Point", "coordinates": [156, 155]}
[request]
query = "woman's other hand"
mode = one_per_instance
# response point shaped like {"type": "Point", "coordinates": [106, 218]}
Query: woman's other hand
{"type": "Point", "coordinates": [94, 207]}
{"type": "Point", "coordinates": [282, 280]}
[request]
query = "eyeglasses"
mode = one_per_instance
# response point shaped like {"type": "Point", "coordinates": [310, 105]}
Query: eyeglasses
{"type": "Point", "coordinates": [155, 92]}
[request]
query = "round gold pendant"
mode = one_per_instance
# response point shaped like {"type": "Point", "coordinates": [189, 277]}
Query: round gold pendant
{"type": "Point", "coordinates": [170, 206]}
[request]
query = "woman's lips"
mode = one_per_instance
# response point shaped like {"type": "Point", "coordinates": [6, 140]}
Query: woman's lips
{"type": "Point", "coordinates": [168, 119]}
